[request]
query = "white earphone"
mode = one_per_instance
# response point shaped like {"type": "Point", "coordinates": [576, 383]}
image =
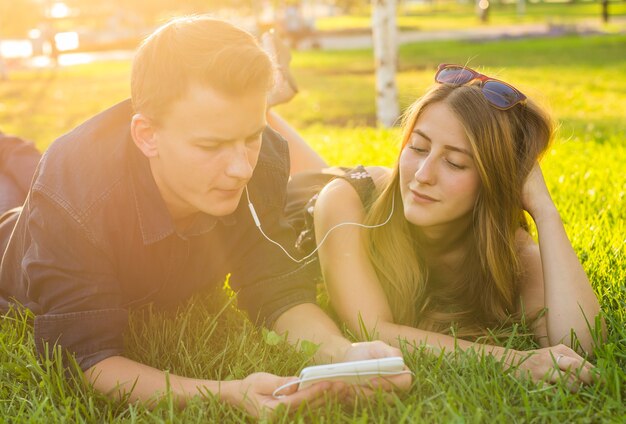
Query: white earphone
{"type": "Point", "coordinates": [257, 222]}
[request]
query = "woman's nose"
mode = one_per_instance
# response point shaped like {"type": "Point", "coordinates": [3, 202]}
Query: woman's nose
{"type": "Point", "coordinates": [426, 172]}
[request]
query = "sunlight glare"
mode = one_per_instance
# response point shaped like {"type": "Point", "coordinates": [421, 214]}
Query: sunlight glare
{"type": "Point", "coordinates": [66, 40]}
{"type": "Point", "coordinates": [59, 10]}
{"type": "Point", "coordinates": [16, 48]}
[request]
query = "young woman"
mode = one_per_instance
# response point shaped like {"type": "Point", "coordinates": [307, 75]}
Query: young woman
{"type": "Point", "coordinates": [454, 255]}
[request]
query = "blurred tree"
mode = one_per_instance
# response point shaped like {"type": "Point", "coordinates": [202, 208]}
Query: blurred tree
{"type": "Point", "coordinates": [521, 8]}
{"type": "Point", "coordinates": [4, 74]}
{"type": "Point", "coordinates": [605, 11]}
{"type": "Point", "coordinates": [385, 40]}
{"type": "Point", "coordinates": [482, 10]}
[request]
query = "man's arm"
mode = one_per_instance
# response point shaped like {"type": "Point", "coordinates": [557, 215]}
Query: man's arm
{"type": "Point", "coordinates": [119, 377]}
{"type": "Point", "coordinates": [86, 316]}
{"type": "Point", "coordinates": [125, 379]}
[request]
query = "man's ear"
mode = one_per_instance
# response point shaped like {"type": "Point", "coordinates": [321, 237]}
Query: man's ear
{"type": "Point", "coordinates": [143, 134]}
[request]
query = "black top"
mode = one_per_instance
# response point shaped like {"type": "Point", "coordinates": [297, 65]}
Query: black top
{"type": "Point", "coordinates": [95, 238]}
{"type": "Point", "coordinates": [303, 191]}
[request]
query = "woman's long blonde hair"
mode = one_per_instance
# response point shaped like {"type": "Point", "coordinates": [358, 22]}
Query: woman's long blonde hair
{"type": "Point", "coordinates": [505, 145]}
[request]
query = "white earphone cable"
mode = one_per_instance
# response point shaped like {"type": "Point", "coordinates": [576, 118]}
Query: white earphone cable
{"type": "Point", "coordinates": [257, 222]}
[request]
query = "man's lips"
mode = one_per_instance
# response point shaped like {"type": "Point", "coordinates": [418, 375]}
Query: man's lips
{"type": "Point", "coordinates": [229, 191]}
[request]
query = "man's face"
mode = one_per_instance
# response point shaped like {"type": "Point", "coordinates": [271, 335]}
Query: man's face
{"type": "Point", "coordinates": [207, 146]}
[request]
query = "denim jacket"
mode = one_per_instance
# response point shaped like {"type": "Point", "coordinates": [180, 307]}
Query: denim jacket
{"type": "Point", "coordinates": [94, 239]}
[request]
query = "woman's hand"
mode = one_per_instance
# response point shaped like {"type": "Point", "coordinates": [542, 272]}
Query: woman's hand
{"type": "Point", "coordinates": [255, 393]}
{"type": "Point", "coordinates": [535, 194]}
{"type": "Point", "coordinates": [376, 350]}
{"type": "Point", "coordinates": [553, 365]}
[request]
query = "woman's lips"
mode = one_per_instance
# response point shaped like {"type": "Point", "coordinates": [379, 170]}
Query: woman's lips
{"type": "Point", "coordinates": [422, 198]}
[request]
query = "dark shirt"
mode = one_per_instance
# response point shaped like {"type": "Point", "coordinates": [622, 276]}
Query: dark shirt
{"type": "Point", "coordinates": [18, 159]}
{"type": "Point", "coordinates": [94, 238]}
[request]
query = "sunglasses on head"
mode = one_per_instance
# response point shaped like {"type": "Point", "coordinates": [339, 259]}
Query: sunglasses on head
{"type": "Point", "coordinates": [500, 94]}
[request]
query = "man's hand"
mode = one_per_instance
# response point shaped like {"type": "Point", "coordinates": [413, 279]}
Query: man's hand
{"type": "Point", "coordinates": [254, 393]}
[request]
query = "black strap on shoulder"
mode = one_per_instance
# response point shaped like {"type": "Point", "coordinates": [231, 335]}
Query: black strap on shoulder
{"type": "Point", "coordinates": [362, 182]}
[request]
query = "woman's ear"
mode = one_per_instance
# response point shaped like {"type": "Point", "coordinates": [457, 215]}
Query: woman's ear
{"type": "Point", "coordinates": [143, 134]}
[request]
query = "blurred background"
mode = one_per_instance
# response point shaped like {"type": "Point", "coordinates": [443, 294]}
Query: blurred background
{"type": "Point", "coordinates": [43, 32]}
{"type": "Point", "coordinates": [62, 61]}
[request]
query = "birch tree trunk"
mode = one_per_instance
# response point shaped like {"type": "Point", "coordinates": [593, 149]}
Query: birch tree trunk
{"type": "Point", "coordinates": [521, 8]}
{"type": "Point", "coordinates": [4, 74]}
{"type": "Point", "coordinates": [385, 41]}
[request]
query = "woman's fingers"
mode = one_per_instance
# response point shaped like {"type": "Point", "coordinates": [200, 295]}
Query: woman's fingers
{"type": "Point", "coordinates": [558, 365]}
{"type": "Point", "coordinates": [571, 371]}
{"type": "Point", "coordinates": [582, 370]}
{"type": "Point", "coordinates": [577, 366]}
{"type": "Point", "coordinates": [568, 379]}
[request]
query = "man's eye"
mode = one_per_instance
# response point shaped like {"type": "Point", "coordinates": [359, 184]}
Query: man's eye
{"type": "Point", "coordinates": [208, 147]}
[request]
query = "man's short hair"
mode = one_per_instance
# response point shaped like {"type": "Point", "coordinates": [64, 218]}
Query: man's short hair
{"type": "Point", "coordinates": [201, 50]}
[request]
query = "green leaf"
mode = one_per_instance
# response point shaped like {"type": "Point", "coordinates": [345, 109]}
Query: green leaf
{"type": "Point", "coordinates": [272, 338]}
{"type": "Point", "coordinates": [309, 348]}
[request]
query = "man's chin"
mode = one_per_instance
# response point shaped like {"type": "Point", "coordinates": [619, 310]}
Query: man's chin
{"type": "Point", "coordinates": [223, 207]}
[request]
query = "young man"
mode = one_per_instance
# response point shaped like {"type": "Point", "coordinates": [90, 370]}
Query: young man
{"type": "Point", "coordinates": [145, 203]}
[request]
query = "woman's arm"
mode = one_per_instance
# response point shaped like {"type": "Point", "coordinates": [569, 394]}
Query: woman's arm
{"type": "Point", "coordinates": [568, 297]}
{"type": "Point", "coordinates": [360, 301]}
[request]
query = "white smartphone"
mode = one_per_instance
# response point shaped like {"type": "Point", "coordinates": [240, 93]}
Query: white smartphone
{"type": "Point", "coordinates": [354, 372]}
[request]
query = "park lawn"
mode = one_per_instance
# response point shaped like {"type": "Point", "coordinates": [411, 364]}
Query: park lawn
{"type": "Point", "coordinates": [583, 82]}
{"type": "Point", "coordinates": [452, 14]}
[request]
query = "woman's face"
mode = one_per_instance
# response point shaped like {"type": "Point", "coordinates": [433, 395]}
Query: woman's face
{"type": "Point", "coordinates": [439, 181]}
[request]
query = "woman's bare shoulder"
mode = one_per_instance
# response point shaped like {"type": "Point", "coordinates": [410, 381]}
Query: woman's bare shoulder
{"type": "Point", "coordinates": [338, 201]}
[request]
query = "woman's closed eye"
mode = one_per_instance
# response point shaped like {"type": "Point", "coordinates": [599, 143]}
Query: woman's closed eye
{"type": "Point", "coordinates": [455, 165]}
{"type": "Point", "coordinates": [418, 149]}
{"type": "Point", "coordinates": [452, 163]}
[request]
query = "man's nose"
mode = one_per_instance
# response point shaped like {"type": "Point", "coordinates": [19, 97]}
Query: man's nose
{"type": "Point", "coordinates": [239, 165]}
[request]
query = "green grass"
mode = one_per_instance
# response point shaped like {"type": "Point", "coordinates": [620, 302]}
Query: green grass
{"type": "Point", "coordinates": [583, 82]}
{"type": "Point", "coordinates": [450, 14]}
